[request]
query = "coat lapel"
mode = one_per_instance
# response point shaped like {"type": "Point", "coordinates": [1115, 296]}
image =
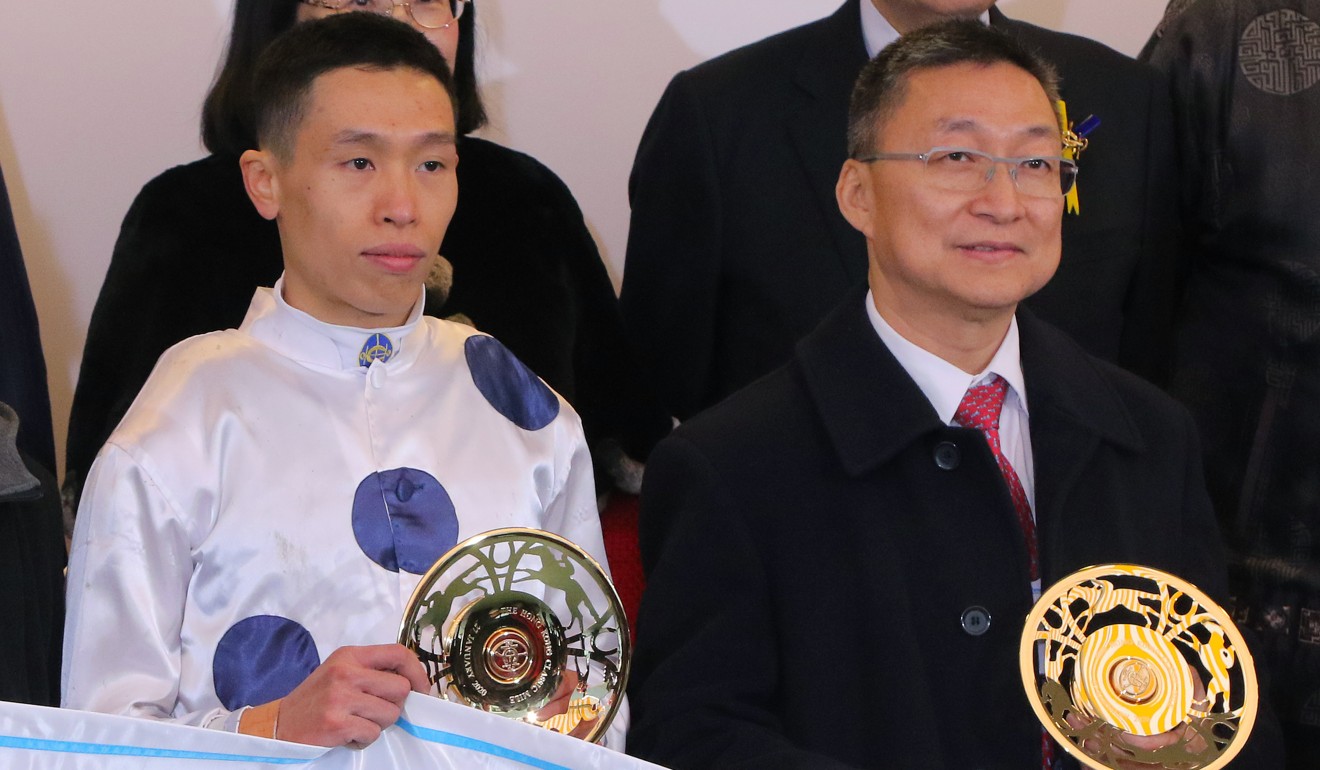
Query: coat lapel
{"type": "Point", "coordinates": [818, 127]}
{"type": "Point", "coordinates": [1073, 410]}
{"type": "Point", "coordinates": [871, 409]}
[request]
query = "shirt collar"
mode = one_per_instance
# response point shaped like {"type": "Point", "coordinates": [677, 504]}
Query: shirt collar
{"type": "Point", "coordinates": [943, 383]}
{"type": "Point", "coordinates": [305, 339]}
{"type": "Point", "coordinates": [877, 32]}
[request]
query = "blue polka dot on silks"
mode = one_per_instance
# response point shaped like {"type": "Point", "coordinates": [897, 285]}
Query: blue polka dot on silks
{"type": "Point", "coordinates": [403, 519]}
{"type": "Point", "coordinates": [509, 385]}
{"type": "Point", "coordinates": [260, 659]}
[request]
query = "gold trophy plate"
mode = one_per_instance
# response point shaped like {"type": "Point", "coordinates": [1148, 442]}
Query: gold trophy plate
{"type": "Point", "coordinates": [1140, 668]}
{"type": "Point", "coordinates": [525, 624]}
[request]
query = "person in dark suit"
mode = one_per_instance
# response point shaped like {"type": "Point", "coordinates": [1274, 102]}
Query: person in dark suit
{"type": "Point", "coordinates": [840, 557]}
{"type": "Point", "coordinates": [1242, 74]}
{"type": "Point", "coordinates": [31, 525]}
{"type": "Point", "coordinates": [736, 249]}
{"type": "Point", "coordinates": [22, 364]}
{"type": "Point", "coordinates": [32, 559]}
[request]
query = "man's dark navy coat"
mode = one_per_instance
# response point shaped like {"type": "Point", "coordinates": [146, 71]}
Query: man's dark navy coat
{"type": "Point", "coordinates": [814, 543]}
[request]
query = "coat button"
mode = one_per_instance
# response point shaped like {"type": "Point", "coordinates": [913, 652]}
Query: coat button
{"type": "Point", "coordinates": [947, 455]}
{"type": "Point", "coordinates": [976, 620]}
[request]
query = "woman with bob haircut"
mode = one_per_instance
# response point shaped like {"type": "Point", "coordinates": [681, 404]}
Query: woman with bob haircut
{"type": "Point", "coordinates": [192, 249]}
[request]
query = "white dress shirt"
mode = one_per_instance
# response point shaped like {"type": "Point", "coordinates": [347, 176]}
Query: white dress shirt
{"type": "Point", "coordinates": [878, 32]}
{"type": "Point", "coordinates": [944, 385]}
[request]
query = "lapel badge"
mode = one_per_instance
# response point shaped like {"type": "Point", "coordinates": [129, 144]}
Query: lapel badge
{"type": "Point", "coordinates": [378, 347]}
{"type": "Point", "coordinates": [1074, 141]}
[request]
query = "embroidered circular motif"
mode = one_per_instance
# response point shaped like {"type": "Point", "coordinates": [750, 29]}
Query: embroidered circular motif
{"type": "Point", "coordinates": [262, 658]}
{"type": "Point", "coordinates": [508, 385]}
{"type": "Point", "coordinates": [1279, 53]}
{"type": "Point", "coordinates": [403, 519]}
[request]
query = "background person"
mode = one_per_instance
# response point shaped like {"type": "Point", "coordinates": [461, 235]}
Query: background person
{"type": "Point", "coordinates": [1243, 77]}
{"type": "Point", "coordinates": [31, 531]}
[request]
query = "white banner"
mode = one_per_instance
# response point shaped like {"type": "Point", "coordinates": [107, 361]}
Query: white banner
{"type": "Point", "coordinates": [431, 734]}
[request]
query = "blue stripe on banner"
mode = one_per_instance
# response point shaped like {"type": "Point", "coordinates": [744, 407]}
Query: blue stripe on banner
{"type": "Point", "coordinates": [109, 749]}
{"type": "Point", "coordinates": [463, 742]}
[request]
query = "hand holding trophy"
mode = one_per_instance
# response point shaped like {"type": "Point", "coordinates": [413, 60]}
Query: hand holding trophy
{"type": "Point", "coordinates": [1131, 667]}
{"type": "Point", "coordinates": [522, 623]}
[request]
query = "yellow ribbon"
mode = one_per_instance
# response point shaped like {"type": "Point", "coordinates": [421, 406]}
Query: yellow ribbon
{"type": "Point", "coordinates": [1073, 205]}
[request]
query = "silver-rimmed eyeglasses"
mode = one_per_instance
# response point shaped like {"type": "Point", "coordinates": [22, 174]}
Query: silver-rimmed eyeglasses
{"type": "Point", "coordinates": [959, 169]}
{"type": "Point", "coordinates": [431, 14]}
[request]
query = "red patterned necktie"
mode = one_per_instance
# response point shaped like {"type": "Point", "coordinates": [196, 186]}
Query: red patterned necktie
{"type": "Point", "coordinates": [980, 409]}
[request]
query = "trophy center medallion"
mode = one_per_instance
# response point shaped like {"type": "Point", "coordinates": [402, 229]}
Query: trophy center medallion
{"type": "Point", "coordinates": [508, 656]}
{"type": "Point", "coordinates": [508, 652]}
{"type": "Point", "coordinates": [1134, 681]}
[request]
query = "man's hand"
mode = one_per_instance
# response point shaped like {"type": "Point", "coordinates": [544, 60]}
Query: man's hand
{"type": "Point", "coordinates": [348, 699]}
{"type": "Point", "coordinates": [579, 724]}
{"type": "Point", "coordinates": [1179, 734]}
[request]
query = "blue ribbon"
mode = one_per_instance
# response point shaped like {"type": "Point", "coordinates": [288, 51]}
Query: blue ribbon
{"type": "Point", "coordinates": [109, 749]}
{"type": "Point", "coordinates": [464, 742]}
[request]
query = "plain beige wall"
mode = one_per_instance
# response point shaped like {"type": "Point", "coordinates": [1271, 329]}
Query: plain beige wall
{"type": "Point", "coordinates": [95, 103]}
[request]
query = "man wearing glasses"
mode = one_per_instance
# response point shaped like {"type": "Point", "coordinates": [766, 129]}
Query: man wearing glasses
{"type": "Point", "coordinates": [841, 556]}
{"type": "Point", "coordinates": [733, 209]}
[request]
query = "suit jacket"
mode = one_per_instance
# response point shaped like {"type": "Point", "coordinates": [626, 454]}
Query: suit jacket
{"type": "Point", "coordinates": [813, 545]}
{"type": "Point", "coordinates": [22, 365]}
{"type": "Point", "coordinates": [1247, 359]}
{"type": "Point", "coordinates": [737, 248]}
{"type": "Point", "coordinates": [32, 561]}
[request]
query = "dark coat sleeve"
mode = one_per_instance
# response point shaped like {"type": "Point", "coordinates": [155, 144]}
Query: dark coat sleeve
{"type": "Point", "coordinates": [1205, 561]}
{"type": "Point", "coordinates": [613, 398]}
{"type": "Point", "coordinates": [22, 363]}
{"type": "Point", "coordinates": [189, 254]}
{"type": "Point", "coordinates": [32, 592]}
{"type": "Point", "coordinates": [527, 270]}
{"type": "Point", "coordinates": [127, 333]}
{"type": "Point", "coordinates": [671, 281]}
{"type": "Point", "coordinates": [1146, 346]}
{"type": "Point", "coordinates": [704, 683]}
{"type": "Point", "coordinates": [1264, 749]}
